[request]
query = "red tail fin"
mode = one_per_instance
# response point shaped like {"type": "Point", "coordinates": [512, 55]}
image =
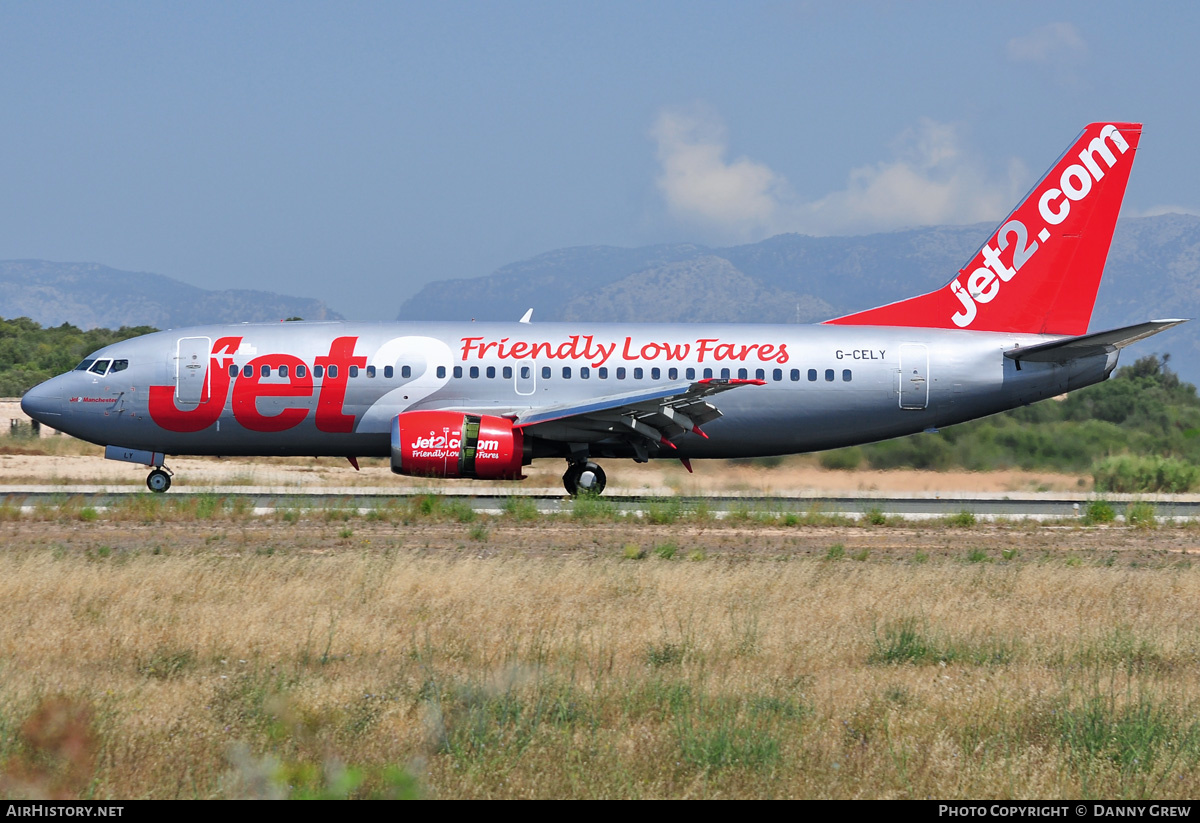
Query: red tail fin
{"type": "Point", "coordinates": [1040, 270]}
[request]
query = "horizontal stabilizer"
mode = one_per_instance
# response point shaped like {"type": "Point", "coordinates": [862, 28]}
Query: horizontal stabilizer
{"type": "Point", "coordinates": [1087, 345]}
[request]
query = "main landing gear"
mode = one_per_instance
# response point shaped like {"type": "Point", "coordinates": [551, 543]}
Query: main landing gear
{"type": "Point", "coordinates": [584, 476]}
{"type": "Point", "coordinates": [158, 481]}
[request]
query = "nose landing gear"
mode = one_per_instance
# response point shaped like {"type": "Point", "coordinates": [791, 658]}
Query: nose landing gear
{"type": "Point", "coordinates": [584, 476]}
{"type": "Point", "coordinates": [158, 481]}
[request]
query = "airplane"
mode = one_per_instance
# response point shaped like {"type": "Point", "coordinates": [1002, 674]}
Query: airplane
{"type": "Point", "coordinates": [483, 400]}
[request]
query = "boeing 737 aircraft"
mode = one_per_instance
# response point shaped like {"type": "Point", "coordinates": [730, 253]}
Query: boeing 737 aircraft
{"type": "Point", "coordinates": [482, 400]}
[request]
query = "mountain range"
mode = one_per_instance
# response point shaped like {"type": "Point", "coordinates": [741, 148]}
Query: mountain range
{"type": "Point", "coordinates": [1153, 271]}
{"type": "Point", "coordinates": [91, 296]}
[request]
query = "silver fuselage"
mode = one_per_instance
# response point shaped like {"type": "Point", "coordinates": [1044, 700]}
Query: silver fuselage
{"type": "Point", "coordinates": [871, 383]}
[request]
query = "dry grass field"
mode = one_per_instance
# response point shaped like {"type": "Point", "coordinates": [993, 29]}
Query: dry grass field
{"type": "Point", "coordinates": [189, 649]}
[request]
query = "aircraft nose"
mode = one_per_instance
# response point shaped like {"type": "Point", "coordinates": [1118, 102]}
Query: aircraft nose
{"type": "Point", "coordinates": [44, 403]}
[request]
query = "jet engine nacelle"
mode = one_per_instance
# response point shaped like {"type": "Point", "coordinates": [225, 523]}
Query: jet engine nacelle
{"type": "Point", "coordinates": [454, 444]}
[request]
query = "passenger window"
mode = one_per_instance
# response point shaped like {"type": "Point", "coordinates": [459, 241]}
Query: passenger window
{"type": "Point", "coordinates": [283, 370]}
{"type": "Point", "coordinates": [829, 375]}
{"type": "Point", "coordinates": [777, 375]}
{"type": "Point", "coordinates": [620, 372]}
{"type": "Point", "coordinates": [690, 374]}
{"type": "Point", "coordinates": [264, 370]}
{"type": "Point", "coordinates": [99, 367]}
{"type": "Point", "coordinates": [525, 372]}
{"type": "Point", "coordinates": [474, 372]}
{"type": "Point", "coordinates": [656, 374]}
{"type": "Point", "coordinates": [333, 372]}
{"type": "Point", "coordinates": [119, 365]}
{"type": "Point", "coordinates": [743, 374]}
{"type": "Point", "coordinates": [301, 370]}
{"type": "Point", "coordinates": [846, 376]}
{"type": "Point", "coordinates": [545, 372]}
{"type": "Point", "coordinates": [566, 372]}
{"type": "Point", "coordinates": [584, 373]}
{"type": "Point", "coordinates": [370, 371]}
{"type": "Point", "coordinates": [761, 374]}
{"type": "Point", "coordinates": [491, 372]}
{"type": "Point", "coordinates": [724, 374]}
{"type": "Point", "coordinates": [708, 374]}
{"type": "Point", "coordinates": [233, 370]}
{"type": "Point", "coordinates": [602, 372]}
{"type": "Point", "coordinates": [406, 371]}
{"type": "Point", "coordinates": [812, 375]}
{"type": "Point", "coordinates": [507, 372]}
{"type": "Point", "coordinates": [673, 374]}
{"type": "Point", "coordinates": [318, 371]}
{"type": "Point", "coordinates": [637, 374]}
{"type": "Point", "coordinates": [441, 372]}
{"type": "Point", "coordinates": [457, 372]}
{"type": "Point", "coordinates": [248, 370]}
{"type": "Point", "coordinates": [354, 371]}
{"type": "Point", "coordinates": [389, 372]}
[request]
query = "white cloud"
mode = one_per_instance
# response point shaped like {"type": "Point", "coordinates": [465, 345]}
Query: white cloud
{"type": "Point", "coordinates": [931, 180]}
{"type": "Point", "coordinates": [1058, 46]}
{"type": "Point", "coordinates": [741, 197]}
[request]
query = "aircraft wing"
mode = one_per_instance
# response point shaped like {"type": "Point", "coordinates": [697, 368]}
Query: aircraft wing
{"type": "Point", "coordinates": [659, 415]}
{"type": "Point", "coordinates": [1087, 345]}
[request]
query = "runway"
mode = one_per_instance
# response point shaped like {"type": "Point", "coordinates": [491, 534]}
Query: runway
{"type": "Point", "coordinates": [914, 506]}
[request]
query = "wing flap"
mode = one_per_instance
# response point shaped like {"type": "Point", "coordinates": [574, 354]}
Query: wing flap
{"type": "Point", "coordinates": [661, 414]}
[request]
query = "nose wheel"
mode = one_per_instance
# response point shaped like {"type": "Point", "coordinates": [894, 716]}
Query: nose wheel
{"type": "Point", "coordinates": [585, 477]}
{"type": "Point", "coordinates": [158, 481]}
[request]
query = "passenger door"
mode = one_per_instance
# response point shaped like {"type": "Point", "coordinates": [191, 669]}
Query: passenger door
{"type": "Point", "coordinates": [191, 369]}
{"type": "Point", "coordinates": [914, 376]}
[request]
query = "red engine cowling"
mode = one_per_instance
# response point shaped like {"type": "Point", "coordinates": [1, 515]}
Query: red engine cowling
{"type": "Point", "coordinates": [454, 444]}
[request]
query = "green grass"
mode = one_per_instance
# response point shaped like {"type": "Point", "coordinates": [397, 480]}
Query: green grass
{"type": "Point", "coordinates": [1141, 515]}
{"type": "Point", "coordinates": [910, 641]}
{"type": "Point", "coordinates": [520, 509]}
{"type": "Point", "coordinates": [1133, 734]}
{"type": "Point", "coordinates": [592, 507]}
{"type": "Point", "coordinates": [663, 511]}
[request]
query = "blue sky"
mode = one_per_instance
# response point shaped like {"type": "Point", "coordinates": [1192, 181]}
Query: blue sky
{"type": "Point", "coordinates": [356, 151]}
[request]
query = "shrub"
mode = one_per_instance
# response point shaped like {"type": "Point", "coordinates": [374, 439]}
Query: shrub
{"type": "Point", "coordinates": [1099, 511]}
{"type": "Point", "coordinates": [841, 459]}
{"type": "Point", "coordinates": [1141, 515]}
{"type": "Point", "coordinates": [964, 519]}
{"type": "Point", "coordinates": [1132, 474]}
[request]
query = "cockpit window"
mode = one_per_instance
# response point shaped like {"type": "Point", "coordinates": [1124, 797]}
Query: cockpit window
{"type": "Point", "coordinates": [85, 365]}
{"type": "Point", "coordinates": [119, 365]}
{"type": "Point", "coordinates": [100, 367]}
